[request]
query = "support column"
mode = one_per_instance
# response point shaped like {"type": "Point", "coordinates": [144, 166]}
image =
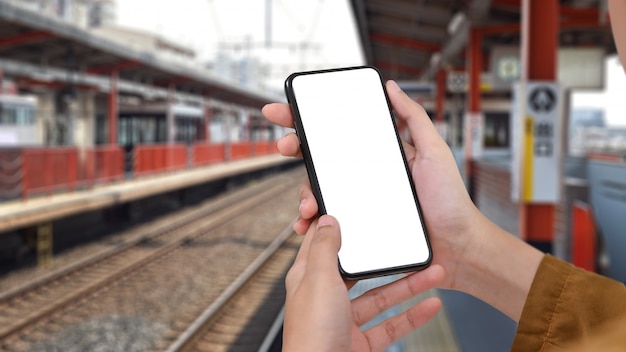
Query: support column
{"type": "Point", "coordinates": [473, 141]}
{"type": "Point", "coordinates": [171, 126]}
{"type": "Point", "coordinates": [113, 109]}
{"type": "Point", "coordinates": [542, 41]}
{"type": "Point", "coordinates": [475, 65]}
{"type": "Point", "coordinates": [206, 124]}
{"type": "Point", "coordinates": [440, 103]}
{"type": "Point", "coordinates": [44, 245]}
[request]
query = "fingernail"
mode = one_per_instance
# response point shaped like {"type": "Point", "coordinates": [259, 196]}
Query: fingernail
{"type": "Point", "coordinates": [325, 220]}
{"type": "Point", "coordinates": [393, 85]}
{"type": "Point", "coordinates": [302, 201]}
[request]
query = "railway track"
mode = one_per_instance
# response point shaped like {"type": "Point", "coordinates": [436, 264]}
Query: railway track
{"type": "Point", "coordinates": [24, 308]}
{"type": "Point", "coordinates": [242, 316]}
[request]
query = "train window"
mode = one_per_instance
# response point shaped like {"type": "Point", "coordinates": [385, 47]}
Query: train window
{"type": "Point", "coordinates": [17, 115]}
{"type": "Point", "coordinates": [24, 115]}
{"type": "Point", "coordinates": [5, 116]}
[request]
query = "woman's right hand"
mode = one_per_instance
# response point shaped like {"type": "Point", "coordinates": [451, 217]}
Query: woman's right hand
{"type": "Point", "coordinates": [463, 240]}
{"type": "Point", "coordinates": [447, 209]}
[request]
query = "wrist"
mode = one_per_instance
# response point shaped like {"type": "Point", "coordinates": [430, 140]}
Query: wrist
{"type": "Point", "coordinates": [497, 267]}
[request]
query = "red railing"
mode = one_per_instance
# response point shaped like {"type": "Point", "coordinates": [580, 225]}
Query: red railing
{"type": "Point", "coordinates": [104, 164]}
{"type": "Point", "coordinates": [584, 246]}
{"type": "Point", "coordinates": [48, 170]}
{"type": "Point", "coordinates": [262, 148]}
{"type": "Point", "coordinates": [27, 171]}
{"type": "Point", "coordinates": [205, 154]}
{"type": "Point", "coordinates": [159, 158]}
{"type": "Point", "coordinates": [11, 162]}
{"type": "Point", "coordinates": [240, 150]}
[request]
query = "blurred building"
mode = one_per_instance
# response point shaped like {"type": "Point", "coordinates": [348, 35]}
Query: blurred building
{"type": "Point", "coordinates": [588, 132]}
{"type": "Point", "coordinates": [581, 120]}
{"type": "Point", "coordinates": [146, 41]}
{"type": "Point", "coordinates": [82, 13]}
{"type": "Point", "coordinates": [248, 71]}
{"type": "Point", "coordinates": [99, 16]}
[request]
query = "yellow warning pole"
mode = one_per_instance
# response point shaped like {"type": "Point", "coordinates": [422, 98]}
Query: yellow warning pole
{"type": "Point", "coordinates": [44, 245]}
{"type": "Point", "coordinates": [527, 182]}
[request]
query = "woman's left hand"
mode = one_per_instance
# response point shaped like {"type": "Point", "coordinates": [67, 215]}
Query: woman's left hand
{"type": "Point", "coordinates": [319, 315]}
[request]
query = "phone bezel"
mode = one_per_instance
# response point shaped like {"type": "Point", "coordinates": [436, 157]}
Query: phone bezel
{"type": "Point", "coordinates": [310, 167]}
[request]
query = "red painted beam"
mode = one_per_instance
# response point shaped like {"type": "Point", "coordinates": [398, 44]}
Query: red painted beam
{"type": "Point", "coordinates": [172, 82]}
{"type": "Point", "coordinates": [178, 79]}
{"type": "Point", "coordinates": [23, 38]}
{"type": "Point", "coordinates": [475, 55]}
{"type": "Point", "coordinates": [26, 82]}
{"type": "Point", "coordinates": [564, 11]}
{"type": "Point", "coordinates": [404, 42]}
{"type": "Point", "coordinates": [580, 12]}
{"type": "Point", "coordinates": [510, 28]}
{"type": "Point", "coordinates": [119, 66]}
{"type": "Point", "coordinates": [393, 67]}
{"type": "Point", "coordinates": [509, 4]}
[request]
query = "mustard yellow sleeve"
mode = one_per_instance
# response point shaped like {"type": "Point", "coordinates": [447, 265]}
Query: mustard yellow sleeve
{"type": "Point", "coordinates": [566, 304]}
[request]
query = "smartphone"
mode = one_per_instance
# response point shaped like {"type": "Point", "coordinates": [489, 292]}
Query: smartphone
{"type": "Point", "coordinates": [358, 171]}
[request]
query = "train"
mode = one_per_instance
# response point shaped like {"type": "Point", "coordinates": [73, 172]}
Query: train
{"type": "Point", "coordinates": [18, 123]}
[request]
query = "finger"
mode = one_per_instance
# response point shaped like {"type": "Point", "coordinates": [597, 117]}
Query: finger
{"type": "Point", "coordinates": [302, 225]}
{"type": "Point", "coordinates": [324, 246]}
{"type": "Point", "coordinates": [300, 262]}
{"type": "Point", "coordinates": [289, 145]}
{"type": "Point", "coordinates": [308, 204]}
{"type": "Point", "coordinates": [389, 331]}
{"type": "Point", "coordinates": [408, 147]}
{"type": "Point", "coordinates": [423, 132]}
{"type": "Point", "coordinates": [279, 114]}
{"type": "Point", "coordinates": [378, 300]}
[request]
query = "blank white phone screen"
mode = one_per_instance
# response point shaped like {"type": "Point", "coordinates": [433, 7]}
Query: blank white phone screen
{"type": "Point", "coordinates": [360, 171]}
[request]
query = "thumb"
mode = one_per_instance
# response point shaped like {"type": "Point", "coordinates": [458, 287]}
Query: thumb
{"type": "Point", "coordinates": [325, 245]}
{"type": "Point", "coordinates": [423, 132]}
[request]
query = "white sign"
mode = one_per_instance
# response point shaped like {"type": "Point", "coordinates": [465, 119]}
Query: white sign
{"type": "Point", "coordinates": [536, 143]}
{"type": "Point", "coordinates": [577, 67]}
{"type": "Point", "coordinates": [457, 81]}
{"type": "Point", "coordinates": [474, 132]}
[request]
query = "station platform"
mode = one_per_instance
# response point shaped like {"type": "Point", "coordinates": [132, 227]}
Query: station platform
{"type": "Point", "coordinates": [463, 324]}
{"type": "Point", "coordinates": [16, 214]}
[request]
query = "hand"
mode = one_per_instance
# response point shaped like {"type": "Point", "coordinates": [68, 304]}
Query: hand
{"type": "Point", "coordinates": [479, 258]}
{"type": "Point", "coordinates": [319, 315]}
{"type": "Point", "coordinates": [447, 209]}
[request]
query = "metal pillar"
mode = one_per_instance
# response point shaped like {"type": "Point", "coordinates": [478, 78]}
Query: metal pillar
{"type": "Point", "coordinates": [439, 102]}
{"type": "Point", "coordinates": [541, 32]}
{"type": "Point", "coordinates": [44, 245]}
{"type": "Point", "coordinates": [473, 140]}
{"type": "Point", "coordinates": [171, 126]}
{"type": "Point", "coordinates": [475, 59]}
{"type": "Point", "coordinates": [113, 108]}
{"type": "Point", "coordinates": [206, 124]}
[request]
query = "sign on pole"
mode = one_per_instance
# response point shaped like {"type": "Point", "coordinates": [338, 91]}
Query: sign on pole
{"type": "Point", "coordinates": [537, 146]}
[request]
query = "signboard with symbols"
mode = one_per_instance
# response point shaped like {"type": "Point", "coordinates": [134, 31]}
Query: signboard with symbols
{"type": "Point", "coordinates": [536, 143]}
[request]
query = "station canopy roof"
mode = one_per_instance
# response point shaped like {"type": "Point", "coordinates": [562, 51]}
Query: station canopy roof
{"type": "Point", "coordinates": [29, 38]}
{"type": "Point", "coordinates": [411, 39]}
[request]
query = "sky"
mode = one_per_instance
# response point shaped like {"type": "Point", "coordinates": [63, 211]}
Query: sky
{"type": "Point", "coordinates": [612, 99]}
{"type": "Point", "coordinates": [325, 28]}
